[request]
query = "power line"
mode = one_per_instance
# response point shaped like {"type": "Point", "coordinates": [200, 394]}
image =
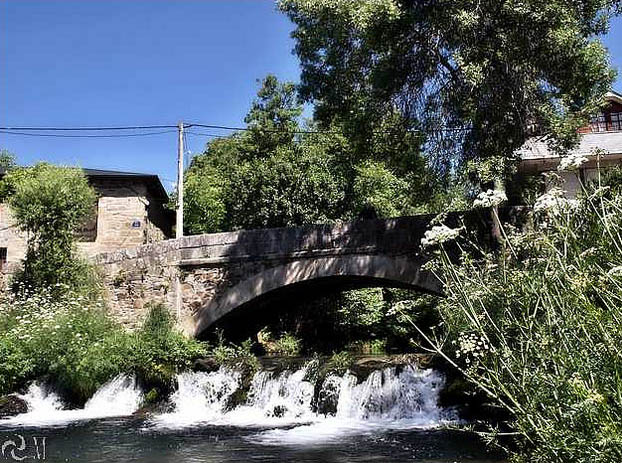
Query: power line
{"type": "Point", "coordinates": [58, 135]}
{"type": "Point", "coordinates": [17, 130]}
{"type": "Point", "coordinates": [85, 129]}
{"type": "Point", "coordinates": [245, 129]}
{"type": "Point", "coordinates": [320, 132]}
{"type": "Point", "coordinates": [203, 134]}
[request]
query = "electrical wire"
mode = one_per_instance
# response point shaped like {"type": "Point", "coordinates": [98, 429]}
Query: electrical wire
{"type": "Point", "coordinates": [58, 135]}
{"type": "Point", "coordinates": [20, 130]}
{"type": "Point", "coordinates": [203, 134]}
{"type": "Point", "coordinates": [320, 132]}
{"type": "Point", "coordinates": [127, 127]}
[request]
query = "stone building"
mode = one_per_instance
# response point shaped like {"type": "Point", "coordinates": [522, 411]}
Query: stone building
{"type": "Point", "coordinates": [600, 143]}
{"type": "Point", "coordinates": [130, 211]}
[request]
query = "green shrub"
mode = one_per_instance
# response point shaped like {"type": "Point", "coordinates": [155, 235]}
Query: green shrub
{"type": "Point", "coordinates": [71, 341]}
{"type": "Point", "coordinates": [287, 344]}
{"type": "Point", "coordinates": [51, 333]}
{"type": "Point", "coordinates": [50, 203]}
{"type": "Point", "coordinates": [233, 355]}
{"type": "Point", "coordinates": [537, 326]}
{"type": "Point", "coordinates": [375, 346]}
{"type": "Point", "coordinates": [159, 351]}
{"type": "Point", "coordinates": [337, 364]}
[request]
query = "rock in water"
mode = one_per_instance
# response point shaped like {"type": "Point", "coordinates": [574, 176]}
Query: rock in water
{"type": "Point", "coordinates": [207, 365]}
{"type": "Point", "coordinates": [11, 405]}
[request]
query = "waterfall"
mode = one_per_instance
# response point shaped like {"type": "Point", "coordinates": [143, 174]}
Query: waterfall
{"type": "Point", "coordinates": [280, 399]}
{"type": "Point", "coordinates": [200, 397]}
{"type": "Point", "coordinates": [386, 395]}
{"type": "Point", "coordinates": [287, 407]}
{"type": "Point", "coordinates": [388, 399]}
{"type": "Point", "coordinates": [41, 400]}
{"type": "Point", "coordinates": [118, 397]}
{"type": "Point", "coordinates": [391, 398]}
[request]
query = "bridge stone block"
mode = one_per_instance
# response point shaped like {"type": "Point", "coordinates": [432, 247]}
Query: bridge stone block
{"type": "Point", "coordinates": [205, 277]}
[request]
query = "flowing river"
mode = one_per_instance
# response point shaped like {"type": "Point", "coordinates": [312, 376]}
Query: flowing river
{"type": "Point", "coordinates": [391, 415]}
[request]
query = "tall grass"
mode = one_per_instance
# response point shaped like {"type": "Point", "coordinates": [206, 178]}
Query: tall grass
{"type": "Point", "coordinates": [538, 326]}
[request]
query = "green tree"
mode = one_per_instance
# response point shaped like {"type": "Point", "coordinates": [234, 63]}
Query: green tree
{"type": "Point", "coordinates": [49, 203]}
{"type": "Point", "coordinates": [280, 172]}
{"type": "Point", "coordinates": [289, 188]}
{"type": "Point", "coordinates": [491, 69]}
{"type": "Point", "coordinates": [7, 160]}
{"type": "Point", "coordinates": [204, 205]}
{"type": "Point", "coordinates": [273, 117]}
{"type": "Point", "coordinates": [7, 163]}
{"type": "Point", "coordinates": [378, 189]}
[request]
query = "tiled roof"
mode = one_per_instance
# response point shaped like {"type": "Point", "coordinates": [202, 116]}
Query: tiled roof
{"type": "Point", "coordinates": [537, 147]}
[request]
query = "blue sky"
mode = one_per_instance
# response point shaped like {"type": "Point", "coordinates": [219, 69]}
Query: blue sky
{"type": "Point", "coordinates": [139, 62]}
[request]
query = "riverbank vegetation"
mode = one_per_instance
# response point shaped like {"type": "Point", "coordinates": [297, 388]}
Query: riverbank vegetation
{"type": "Point", "coordinates": [412, 114]}
{"type": "Point", "coordinates": [54, 322]}
{"type": "Point", "coordinates": [359, 321]}
{"type": "Point", "coordinates": [536, 325]}
{"type": "Point", "coordinates": [66, 339]}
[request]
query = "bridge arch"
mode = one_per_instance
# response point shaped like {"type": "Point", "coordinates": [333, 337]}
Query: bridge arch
{"type": "Point", "coordinates": [402, 270]}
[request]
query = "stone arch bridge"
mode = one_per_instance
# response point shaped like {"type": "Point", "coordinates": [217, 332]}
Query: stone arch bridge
{"type": "Point", "coordinates": [205, 277]}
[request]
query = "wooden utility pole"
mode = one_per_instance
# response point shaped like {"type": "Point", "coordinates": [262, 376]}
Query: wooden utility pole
{"type": "Point", "coordinates": [179, 227]}
{"type": "Point", "coordinates": [179, 224]}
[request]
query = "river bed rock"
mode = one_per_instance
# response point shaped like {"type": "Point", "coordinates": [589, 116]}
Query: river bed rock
{"type": "Point", "coordinates": [207, 365]}
{"type": "Point", "coordinates": [362, 367]}
{"type": "Point", "coordinates": [11, 405]}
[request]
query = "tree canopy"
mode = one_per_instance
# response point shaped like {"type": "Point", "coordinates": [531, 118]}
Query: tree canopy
{"type": "Point", "coordinates": [280, 172]}
{"type": "Point", "coordinates": [476, 77]}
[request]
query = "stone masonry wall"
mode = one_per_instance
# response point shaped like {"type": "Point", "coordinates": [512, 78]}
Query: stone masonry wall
{"type": "Point", "coordinates": [150, 274]}
{"type": "Point", "coordinates": [121, 205]}
{"type": "Point", "coordinates": [188, 273]}
{"type": "Point", "coordinates": [12, 239]}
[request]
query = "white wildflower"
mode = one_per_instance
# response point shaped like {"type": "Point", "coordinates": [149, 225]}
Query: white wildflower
{"type": "Point", "coordinates": [572, 162]}
{"type": "Point", "coordinates": [471, 346]}
{"type": "Point", "coordinates": [589, 252]}
{"type": "Point", "coordinates": [439, 234]}
{"type": "Point", "coordinates": [615, 271]}
{"type": "Point", "coordinates": [554, 201]}
{"type": "Point", "coordinates": [490, 198]}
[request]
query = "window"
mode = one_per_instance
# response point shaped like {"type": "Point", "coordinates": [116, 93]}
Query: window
{"type": "Point", "coordinates": [610, 122]}
{"type": "Point", "coordinates": [3, 259]}
{"type": "Point", "coordinates": [599, 124]}
{"type": "Point", "coordinates": [616, 121]}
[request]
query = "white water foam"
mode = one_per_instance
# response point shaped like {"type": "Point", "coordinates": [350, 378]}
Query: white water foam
{"type": "Point", "coordinates": [387, 399]}
{"type": "Point", "coordinates": [272, 400]}
{"type": "Point", "coordinates": [276, 399]}
{"type": "Point", "coordinates": [118, 397]}
{"type": "Point", "coordinates": [200, 397]}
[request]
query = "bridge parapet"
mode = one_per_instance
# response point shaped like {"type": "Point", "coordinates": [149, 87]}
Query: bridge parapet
{"type": "Point", "coordinates": [388, 236]}
{"type": "Point", "coordinates": [204, 277]}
